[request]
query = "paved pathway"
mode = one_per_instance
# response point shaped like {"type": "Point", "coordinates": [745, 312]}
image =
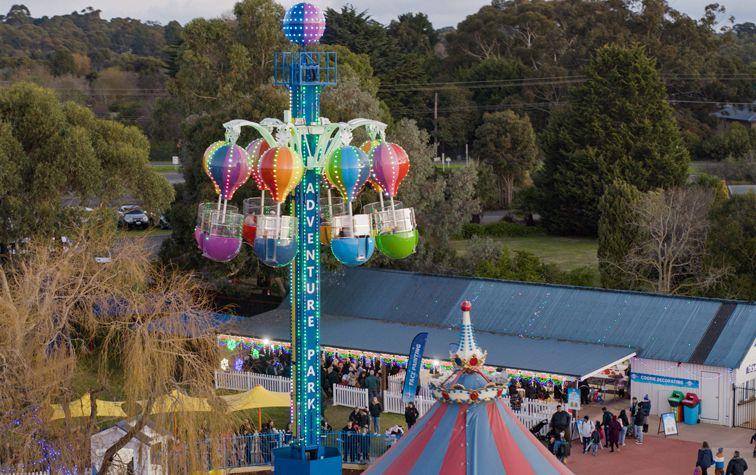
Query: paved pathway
{"type": "Point", "coordinates": [659, 455]}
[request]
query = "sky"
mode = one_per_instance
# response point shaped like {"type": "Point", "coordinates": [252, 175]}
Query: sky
{"type": "Point", "coordinates": [441, 12]}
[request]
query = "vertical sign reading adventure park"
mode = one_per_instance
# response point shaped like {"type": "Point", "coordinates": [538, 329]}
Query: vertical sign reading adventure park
{"type": "Point", "coordinates": [305, 102]}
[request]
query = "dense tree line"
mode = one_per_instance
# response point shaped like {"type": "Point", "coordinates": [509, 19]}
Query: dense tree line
{"type": "Point", "coordinates": [568, 108]}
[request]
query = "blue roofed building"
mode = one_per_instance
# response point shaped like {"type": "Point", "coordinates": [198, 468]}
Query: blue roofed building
{"type": "Point", "coordinates": [696, 345]}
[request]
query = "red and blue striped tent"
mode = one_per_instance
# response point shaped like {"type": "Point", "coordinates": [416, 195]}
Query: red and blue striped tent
{"type": "Point", "coordinates": [483, 438]}
{"type": "Point", "coordinates": [470, 429]}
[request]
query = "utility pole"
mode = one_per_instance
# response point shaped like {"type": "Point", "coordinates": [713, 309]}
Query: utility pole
{"type": "Point", "coordinates": [435, 124]}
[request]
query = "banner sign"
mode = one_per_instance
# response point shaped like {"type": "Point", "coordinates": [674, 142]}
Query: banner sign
{"type": "Point", "coordinates": [663, 380]}
{"type": "Point", "coordinates": [573, 399]}
{"type": "Point", "coordinates": [414, 364]}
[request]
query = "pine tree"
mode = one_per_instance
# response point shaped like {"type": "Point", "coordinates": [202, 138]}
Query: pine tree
{"type": "Point", "coordinates": [618, 125]}
{"type": "Point", "coordinates": [616, 232]}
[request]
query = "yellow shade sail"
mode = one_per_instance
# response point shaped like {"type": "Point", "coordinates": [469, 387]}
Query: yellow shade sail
{"type": "Point", "coordinates": [256, 398]}
{"type": "Point", "coordinates": [177, 401]}
{"type": "Point", "coordinates": [81, 408]}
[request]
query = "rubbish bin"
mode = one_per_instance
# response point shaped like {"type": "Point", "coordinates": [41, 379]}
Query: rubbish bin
{"type": "Point", "coordinates": [691, 408]}
{"type": "Point", "coordinates": [675, 402]}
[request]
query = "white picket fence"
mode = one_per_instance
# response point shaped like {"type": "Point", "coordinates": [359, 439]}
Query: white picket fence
{"type": "Point", "coordinates": [246, 381]}
{"type": "Point", "coordinates": [395, 386]}
{"type": "Point", "coordinates": [349, 396]}
{"type": "Point", "coordinates": [392, 402]}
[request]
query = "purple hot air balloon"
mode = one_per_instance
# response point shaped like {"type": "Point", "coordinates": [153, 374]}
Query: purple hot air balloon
{"type": "Point", "coordinates": [228, 166]}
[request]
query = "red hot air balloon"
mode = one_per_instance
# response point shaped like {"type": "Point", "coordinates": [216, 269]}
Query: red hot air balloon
{"type": "Point", "coordinates": [390, 166]}
{"type": "Point", "coordinates": [256, 149]}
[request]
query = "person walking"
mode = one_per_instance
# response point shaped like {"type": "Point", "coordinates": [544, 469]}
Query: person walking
{"type": "Point", "coordinates": [705, 458]}
{"type": "Point", "coordinates": [410, 415]}
{"type": "Point", "coordinates": [614, 433]}
{"type": "Point", "coordinates": [586, 430]}
{"type": "Point", "coordinates": [625, 426]}
{"type": "Point", "coordinates": [736, 465]}
{"type": "Point", "coordinates": [753, 442]}
{"type": "Point", "coordinates": [638, 422]}
{"type": "Point", "coordinates": [373, 385]}
{"type": "Point", "coordinates": [376, 408]}
{"type": "Point", "coordinates": [595, 439]}
{"type": "Point", "coordinates": [606, 421]}
{"type": "Point", "coordinates": [719, 462]}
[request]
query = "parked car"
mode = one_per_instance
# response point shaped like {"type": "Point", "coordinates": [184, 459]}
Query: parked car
{"type": "Point", "coordinates": [136, 218]}
{"type": "Point", "coordinates": [163, 222]}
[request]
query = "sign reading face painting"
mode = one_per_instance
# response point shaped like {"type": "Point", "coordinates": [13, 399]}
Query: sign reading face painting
{"type": "Point", "coordinates": [414, 364]}
{"type": "Point", "coordinates": [663, 380]}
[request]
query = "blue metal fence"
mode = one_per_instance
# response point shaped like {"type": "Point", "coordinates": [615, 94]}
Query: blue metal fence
{"type": "Point", "coordinates": [257, 449]}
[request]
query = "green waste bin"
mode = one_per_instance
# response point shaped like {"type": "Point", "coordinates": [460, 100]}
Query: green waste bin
{"type": "Point", "coordinates": [675, 402]}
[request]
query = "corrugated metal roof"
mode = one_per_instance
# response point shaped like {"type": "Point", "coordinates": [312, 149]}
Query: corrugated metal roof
{"type": "Point", "coordinates": [549, 356]}
{"type": "Point", "coordinates": [736, 336]}
{"type": "Point", "coordinates": [657, 326]}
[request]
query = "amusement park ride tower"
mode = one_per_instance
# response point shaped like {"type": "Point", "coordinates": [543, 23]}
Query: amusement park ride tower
{"type": "Point", "coordinates": [303, 153]}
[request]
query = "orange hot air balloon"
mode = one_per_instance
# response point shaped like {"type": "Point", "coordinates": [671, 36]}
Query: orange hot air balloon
{"type": "Point", "coordinates": [281, 169]}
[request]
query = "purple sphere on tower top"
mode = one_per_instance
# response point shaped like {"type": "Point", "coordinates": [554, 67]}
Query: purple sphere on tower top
{"type": "Point", "coordinates": [304, 24]}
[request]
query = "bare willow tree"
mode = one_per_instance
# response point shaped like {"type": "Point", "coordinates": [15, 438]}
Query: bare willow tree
{"type": "Point", "coordinates": [73, 323]}
{"type": "Point", "coordinates": [669, 252]}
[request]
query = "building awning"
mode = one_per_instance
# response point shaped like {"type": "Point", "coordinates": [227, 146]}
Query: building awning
{"type": "Point", "coordinates": [567, 358]}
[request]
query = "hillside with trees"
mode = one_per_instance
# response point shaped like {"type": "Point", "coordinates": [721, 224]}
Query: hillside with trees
{"type": "Point", "coordinates": [601, 101]}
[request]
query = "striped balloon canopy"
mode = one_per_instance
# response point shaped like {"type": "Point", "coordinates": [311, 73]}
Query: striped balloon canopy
{"type": "Point", "coordinates": [390, 166]}
{"type": "Point", "coordinates": [256, 149]}
{"type": "Point", "coordinates": [347, 170]}
{"type": "Point", "coordinates": [367, 147]}
{"type": "Point", "coordinates": [281, 169]}
{"type": "Point", "coordinates": [228, 166]}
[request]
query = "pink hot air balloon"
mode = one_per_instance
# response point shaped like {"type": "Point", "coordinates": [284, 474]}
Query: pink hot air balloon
{"type": "Point", "coordinates": [390, 166]}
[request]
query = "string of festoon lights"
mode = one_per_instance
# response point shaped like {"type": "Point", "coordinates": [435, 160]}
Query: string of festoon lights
{"type": "Point", "coordinates": [258, 347]}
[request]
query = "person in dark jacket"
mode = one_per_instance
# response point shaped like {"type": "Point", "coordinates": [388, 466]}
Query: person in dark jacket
{"type": "Point", "coordinates": [705, 458]}
{"type": "Point", "coordinates": [606, 421]}
{"type": "Point", "coordinates": [638, 422]}
{"type": "Point", "coordinates": [645, 408]}
{"type": "Point", "coordinates": [376, 408]}
{"type": "Point", "coordinates": [625, 426]}
{"type": "Point", "coordinates": [737, 465]}
{"type": "Point", "coordinates": [614, 433]}
{"type": "Point", "coordinates": [363, 418]}
{"type": "Point", "coordinates": [411, 415]}
{"type": "Point", "coordinates": [560, 421]}
{"type": "Point", "coordinates": [354, 416]}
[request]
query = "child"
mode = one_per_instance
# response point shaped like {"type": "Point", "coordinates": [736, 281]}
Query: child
{"type": "Point", "coordinates": [719, 462]}
{"type": "Point", "coordinates": [595, 440]}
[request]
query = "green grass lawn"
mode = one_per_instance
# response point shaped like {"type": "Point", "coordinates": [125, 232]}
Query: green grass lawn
{"type": "Point", "coordinates": [165, 168]}
{"type": "Point", "coordinates": [565, 252]}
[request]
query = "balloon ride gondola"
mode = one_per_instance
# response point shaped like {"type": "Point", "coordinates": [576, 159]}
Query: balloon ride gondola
{"type": "Point", "coordinates": [347, 170]}
{"type": "Point", "coordinates": [229, 167]}
{"type": "Point", "coordinates": [280, 170]}
{"type": "Point", "coordinates": [329, 207]}
{"type": "Point", "coordinates": [395, 228]}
